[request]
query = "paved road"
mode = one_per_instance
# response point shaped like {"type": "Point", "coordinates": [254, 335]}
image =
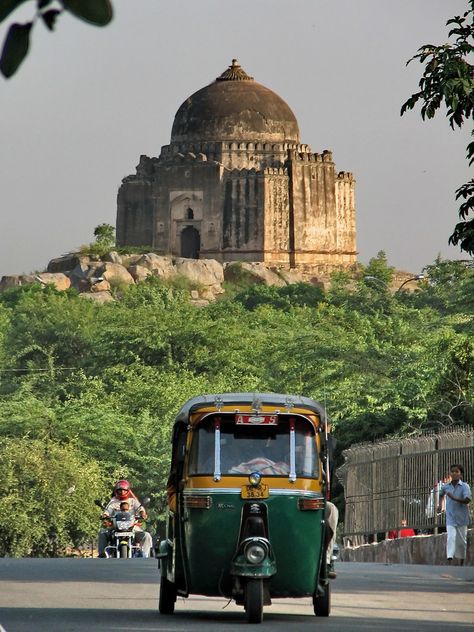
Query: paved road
{"type": "Point", "coordinates": [79, 595]}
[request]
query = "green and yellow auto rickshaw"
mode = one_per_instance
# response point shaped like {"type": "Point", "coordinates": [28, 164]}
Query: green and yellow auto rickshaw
{"type": "Point", "coordinates": [247, 500]}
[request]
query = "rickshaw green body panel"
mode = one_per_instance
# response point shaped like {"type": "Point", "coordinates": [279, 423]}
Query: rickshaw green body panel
{"type": "Point", "coordinates": [211, 537]}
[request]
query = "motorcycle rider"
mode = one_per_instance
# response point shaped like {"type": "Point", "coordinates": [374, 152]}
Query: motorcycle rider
{"type": "Point", "coordinates": [123, 492]}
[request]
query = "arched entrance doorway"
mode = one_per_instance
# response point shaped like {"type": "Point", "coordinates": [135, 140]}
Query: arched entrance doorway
{"type": "Point", "coordinates": [190, 243]}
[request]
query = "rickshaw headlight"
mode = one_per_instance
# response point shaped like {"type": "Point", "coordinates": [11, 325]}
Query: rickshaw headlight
{"type": "Point", "coordinates": [255, 478]}
{"type": "Point", "coordinates": [255, 552]}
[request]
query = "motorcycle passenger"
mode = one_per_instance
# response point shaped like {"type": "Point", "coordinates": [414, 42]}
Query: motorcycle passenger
{"type": "Point", "coordinates": [123, 493]}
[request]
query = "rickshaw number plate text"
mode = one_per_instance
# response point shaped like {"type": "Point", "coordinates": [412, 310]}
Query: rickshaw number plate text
{"type": "Point", "coordinates": [256, 420]}
{"type": "Point", "coordinates": [255, 491]}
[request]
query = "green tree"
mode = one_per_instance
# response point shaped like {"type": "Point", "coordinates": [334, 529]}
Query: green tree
{"type": "Point", "coordinates": [105, 235]}
{"type": "Point", "coordinates": [379, 268]}
{"type": "Point", "coordinates": [448, 78]}
{"type": "Point", "coordinates": [47, 488]}
{"type": "Point", "coordinates": [17, 41]}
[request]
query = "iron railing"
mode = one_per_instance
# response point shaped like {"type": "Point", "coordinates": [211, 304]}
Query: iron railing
{"type": "Point", "coordinates": [391, 481]}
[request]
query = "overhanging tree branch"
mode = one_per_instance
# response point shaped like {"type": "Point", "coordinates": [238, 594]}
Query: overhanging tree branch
{"type": "Point", "coordinates": [448, 78]}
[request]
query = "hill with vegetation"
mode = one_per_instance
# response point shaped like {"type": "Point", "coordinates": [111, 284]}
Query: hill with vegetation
{"type": "Point", "coordinates": [88, 391]}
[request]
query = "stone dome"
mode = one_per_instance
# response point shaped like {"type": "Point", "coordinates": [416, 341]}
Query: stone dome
{"type": "Point", "coordinates": [235, 108]}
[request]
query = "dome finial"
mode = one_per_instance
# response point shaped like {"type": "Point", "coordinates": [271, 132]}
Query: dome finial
{"type": "Point", "coordinates": [234, 73]}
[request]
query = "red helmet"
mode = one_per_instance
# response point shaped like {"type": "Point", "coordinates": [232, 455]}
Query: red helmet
{"type": "Point", "coordinates": [122, 489]}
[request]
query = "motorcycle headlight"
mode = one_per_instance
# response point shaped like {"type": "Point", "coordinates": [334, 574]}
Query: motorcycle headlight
{"type": "Point", "coordinates": [255, 552]}
{"type": "Point", "coordinates": [124, 525]}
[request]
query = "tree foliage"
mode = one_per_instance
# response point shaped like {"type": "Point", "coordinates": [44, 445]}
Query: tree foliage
{"type": "Point", "coordinates": [105, 234]}
{"type": "Point", "coordinates": [17, 40]}
{"type": "Point", "coordinates": [45, 503]}
{"type": "Point", "coordinates": [448, 79]}
{"type": "Point", "coordinates": [97, 386]}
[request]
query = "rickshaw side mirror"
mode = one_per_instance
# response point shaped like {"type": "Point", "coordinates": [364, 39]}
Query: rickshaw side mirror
{"type": "Point", "coordinates": [145, 501]}
{"type": "Point", "coordinates": [98, 503]}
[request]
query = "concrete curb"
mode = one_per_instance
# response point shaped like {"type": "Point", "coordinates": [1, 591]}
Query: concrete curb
{"type": "Point", "coordinates": [419, 549]}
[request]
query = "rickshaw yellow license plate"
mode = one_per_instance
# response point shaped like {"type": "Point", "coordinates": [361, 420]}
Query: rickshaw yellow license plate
{"type": "Point", "coordinates": [255, 491]}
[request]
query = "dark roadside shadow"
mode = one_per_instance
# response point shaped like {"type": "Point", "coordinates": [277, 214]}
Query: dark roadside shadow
{"type": "Point", "coordinates": [106, 620]}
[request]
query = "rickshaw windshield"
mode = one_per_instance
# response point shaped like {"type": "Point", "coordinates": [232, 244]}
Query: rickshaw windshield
{"type": "Point", "coordinates": [245, 449]}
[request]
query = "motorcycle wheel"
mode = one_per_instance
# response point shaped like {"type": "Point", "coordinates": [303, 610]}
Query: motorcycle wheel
{"type": "Point", "coordinates": [167, 596]}
{"type": "Point", "coordinates": [123, 550]}
{"type": "Point", "coordinates": [322, 602]}
{"type": "Point", "coordinates": [254, 600]}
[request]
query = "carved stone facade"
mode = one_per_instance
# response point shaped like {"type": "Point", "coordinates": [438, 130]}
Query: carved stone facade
{"type": "Point", "coordinates": [236, 184]}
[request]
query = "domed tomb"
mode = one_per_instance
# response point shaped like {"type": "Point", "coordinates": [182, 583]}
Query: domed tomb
{"type": "Point", "coordinates": [236, 184]}
{"type": "Point", "coordinates": [235, 108]}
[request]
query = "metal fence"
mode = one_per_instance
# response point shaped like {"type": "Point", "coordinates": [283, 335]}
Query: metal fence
{"type": "Point", "coordinates": [396, 480]}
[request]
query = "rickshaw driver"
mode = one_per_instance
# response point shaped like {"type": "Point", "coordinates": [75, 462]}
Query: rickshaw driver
{"type": "Point", "coordinates": [271, 459]}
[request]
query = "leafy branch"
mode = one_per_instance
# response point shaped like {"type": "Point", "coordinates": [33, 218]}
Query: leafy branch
{"type": "Point", "coordinates": [448, 78]}
{"type": "Point", "coordinates": [17, 40]}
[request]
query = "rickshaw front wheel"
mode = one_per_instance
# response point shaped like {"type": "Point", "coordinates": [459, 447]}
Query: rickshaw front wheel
{"type": "Point", "coordinates": [322, 601]}
{"type": "Point", "coordinates": [167, 596]}
{"type": "Point", "coordinates": [254, 600]}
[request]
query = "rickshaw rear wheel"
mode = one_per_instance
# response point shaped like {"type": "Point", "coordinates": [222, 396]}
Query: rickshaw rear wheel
{"type": "Point", "coordinates": [254, 600]}
{"type": "Point", "coordinates": [322, 601]}
{"type": "Point", "coordinates": [167, 596]}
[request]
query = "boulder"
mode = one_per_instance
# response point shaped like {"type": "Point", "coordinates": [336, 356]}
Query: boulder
{"type": "Point", "coordinates": [86, 270]}
{"type": "Point", "coordinates": [85, 274]}
{"type": "Point", "coordinates": [255, 272]}
{"type": "Point", "coordinates": [114, 273]}
{"type": "Point", "coordinates": [100, 286]}
{"type": "Point", "coordinates": [290, 276]}
{"type": "Point", "coordinates": [113, 257]}
{"type": "Point", "coordinates": [139, 273]}
{"type": "Point", "coordinates": [200, 271]}
{"type": "Point", "coordinates": [16, 280]}
{"type": "Point", "coordinates": [60, 281]}
{"type": "Point", "coordinates": [158, 265]}
{"type": "Point", "coordinates": [216, 289]}
{"type": "Point", "coordinates": [130, 260]}
{"type": "Point", "coordinates": [67, 262]}
{"type": "Point", "coordinates": [207, 294]}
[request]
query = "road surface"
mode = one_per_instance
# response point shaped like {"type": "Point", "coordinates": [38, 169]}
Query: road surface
{"type": "Point", "coordinates": [96, 595]}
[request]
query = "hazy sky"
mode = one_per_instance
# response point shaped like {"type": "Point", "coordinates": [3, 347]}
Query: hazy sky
{"type": "Point", "coordinates": [88, 101]}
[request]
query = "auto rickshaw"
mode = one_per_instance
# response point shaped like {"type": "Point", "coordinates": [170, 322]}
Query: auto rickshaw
{"type": "Point", "coordinates": [247, 499]}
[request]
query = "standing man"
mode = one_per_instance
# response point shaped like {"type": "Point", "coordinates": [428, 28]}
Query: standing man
{"type": "Point", "coordinates": [458, 496]}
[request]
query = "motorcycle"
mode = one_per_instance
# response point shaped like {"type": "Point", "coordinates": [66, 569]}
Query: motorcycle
{"type": "Point", "coordinates": [122, 535]}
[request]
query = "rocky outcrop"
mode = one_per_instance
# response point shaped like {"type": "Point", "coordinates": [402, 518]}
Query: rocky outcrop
{"type": "Point", "coordinates": [207, 272]}
{"type": "Point", "coordinates": [16, 281]}
{"type": "Point", "coordinates": [96, 277]}
{"type": "Point", "coordinates": [253, 272]}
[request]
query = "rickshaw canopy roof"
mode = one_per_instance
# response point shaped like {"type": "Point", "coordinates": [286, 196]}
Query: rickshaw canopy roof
{"type": "Point", "coordinates": [283, 401]}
